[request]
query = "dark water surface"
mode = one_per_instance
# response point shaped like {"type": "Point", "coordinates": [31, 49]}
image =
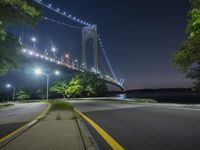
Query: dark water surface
{"type": "Point", "coordinates": [164, 97]}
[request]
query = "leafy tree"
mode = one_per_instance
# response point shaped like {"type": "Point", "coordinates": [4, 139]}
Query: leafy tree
{"type": "Point", "coordinates": [22, 95]}
{"type": "Point", "coordinates": [9, 54]}
{"type": "Point", "coordinates": [59, 87]}
{"type": "Point", "coordinates": [86, 84]}
{"type": "Point", "coordinates": [75, 88]}
{"type": "Point", "coordinates": [187, 57]}
{"type": "Point", "coordinates": [13, 12]}
{"type": "Point", "coordinates": [41, 93]}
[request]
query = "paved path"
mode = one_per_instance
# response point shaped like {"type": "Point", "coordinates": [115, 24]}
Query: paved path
{"type": "Point", "coordinates": [146, 127]}
{"type": "Point", "coordinates": [15, 116]}
{"type": "Point", "coordinates": [50, 133]}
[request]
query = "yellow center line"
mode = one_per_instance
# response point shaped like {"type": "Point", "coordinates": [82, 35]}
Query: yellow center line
{"type": "Point", "coordinates": [114, 144]}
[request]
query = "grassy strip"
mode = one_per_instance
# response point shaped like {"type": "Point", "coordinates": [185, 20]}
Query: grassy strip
{"type": "Point", "coordinates": [60, 105]}
{"type": "Point", "coordinates": [5, 105]}
{"type": "Point", "coordinates": [144, 100]}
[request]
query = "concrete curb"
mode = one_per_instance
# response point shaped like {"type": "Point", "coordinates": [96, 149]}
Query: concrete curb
{"type": "Point", "coordinates": [87, 138]}
{"type": "Point", "coordinates": [8, 138]}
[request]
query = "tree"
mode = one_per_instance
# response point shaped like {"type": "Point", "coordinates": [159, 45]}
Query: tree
{"type": "Point", "coordinates": [41, 93]}
{"type": "Point", "coordinates": [59, 87]}
{"type": "Point", "coordinates": [22, 95]}
{"type": "Point", "coordinates": [187, 57]}
{"type": "Point", "coordinates": [86, 84]}
{"type": "Point", "coordinates": [13, 12]}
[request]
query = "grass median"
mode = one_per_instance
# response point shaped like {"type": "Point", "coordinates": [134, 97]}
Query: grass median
{"type": "Point", "coordinates": [60, 105]}
{"type": "Point", "coordinates": [6, 105]}
{"type": "Point", "coordinates": [144, 100]}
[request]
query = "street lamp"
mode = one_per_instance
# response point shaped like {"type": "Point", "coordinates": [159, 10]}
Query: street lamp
{"type": "Point", "coordinates": [38, 72]}
{"type": "Point", "coordinates": [76, 62]}
{"type": "Point", "coordinates": [67, 57]}
{"type": "Point", "coordinates": [54, 51]}
{"type": "Point", "coordinates": [34, 40]}
{"type": "Point", "coordinates": [10, 86]}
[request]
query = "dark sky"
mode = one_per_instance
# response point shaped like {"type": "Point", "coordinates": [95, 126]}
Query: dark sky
{"type": "Point", "coordinates": [139, 37]}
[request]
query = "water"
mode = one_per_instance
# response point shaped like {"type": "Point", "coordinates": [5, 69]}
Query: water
{"type": "Point", "coordinates": [184, 97]}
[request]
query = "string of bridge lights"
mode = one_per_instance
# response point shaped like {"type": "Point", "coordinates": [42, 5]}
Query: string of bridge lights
{"type": "Point", "coordinates": [47, 58]}
{"type": "Point", "coordinates": [61, 23]}
{"type": "Point", "coordinates": [63, 13]}
{"type": "Point", "coordinates": [80, 21]}
{"type": "Point", "coordinates": [36, 54]}
{"type": "Point", "coordinates": [105, 55]}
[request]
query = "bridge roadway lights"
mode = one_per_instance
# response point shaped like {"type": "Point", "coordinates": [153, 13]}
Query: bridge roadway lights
{"type": "Point", "coordinates": [81, 69]}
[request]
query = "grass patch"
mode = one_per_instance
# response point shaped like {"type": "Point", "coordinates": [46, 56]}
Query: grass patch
{"type": "Point", "coordinates": [144, 100]}
{"type": "Point", "coordinates": [60, 105]}
{"type": "Point", "coordinates": [5, 105]}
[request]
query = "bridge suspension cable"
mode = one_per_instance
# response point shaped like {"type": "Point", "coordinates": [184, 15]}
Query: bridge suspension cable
{"type": "Point", "coordinates": [105, 55]}
{"type": "Point", "coordinates": [77, 20]}
{"type": "Point", "coordinates": [61, 23]}
{"type": "Point", "coordinates": [57, 10]}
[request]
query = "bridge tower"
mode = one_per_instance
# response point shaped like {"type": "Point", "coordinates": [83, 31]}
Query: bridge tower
{"type": "Point", "coordinates": [90, 33]}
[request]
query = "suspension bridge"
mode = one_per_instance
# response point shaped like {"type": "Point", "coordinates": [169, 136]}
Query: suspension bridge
{"type": "Point", "coordinates": [89, 35]}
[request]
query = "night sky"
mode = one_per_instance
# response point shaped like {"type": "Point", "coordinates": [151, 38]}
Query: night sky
{"type": "Point", "coordinates": [139, 37]}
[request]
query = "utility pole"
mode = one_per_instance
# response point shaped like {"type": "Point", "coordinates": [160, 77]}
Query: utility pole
{"type": "Point", "coordinates": [47, 86]}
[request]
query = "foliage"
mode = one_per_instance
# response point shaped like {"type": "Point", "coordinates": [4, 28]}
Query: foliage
{"type": "Point", "coordinates": [59, 87]}
{"type": "Point", "coordinates": [60, 105]}
{"type": "Point", "coordinates": [13, 12]}
{"type": "Point", "coordinates": [41, 93]}
{"type": "Point", "coordinates": [187, 57]}
{"type": "Point", "coordinates": [86, 84]}
{"type": "Point", "coordinates": [4, 96]}
{"type": "Point", "coordinates": [22, 95]}
{"type": "Point", "coordinates": [81, 85]}
{"type": "Point", "coordinates": [9, 54]}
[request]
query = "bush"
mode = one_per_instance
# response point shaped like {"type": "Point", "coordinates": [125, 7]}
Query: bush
{"type": "Point", "coordinates": [60, 105]}
{"type": "Point", "coordinates": [22, 95]}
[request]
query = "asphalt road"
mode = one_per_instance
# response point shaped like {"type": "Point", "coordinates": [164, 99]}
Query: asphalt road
{"type": "Point", "coordinates": [11, 118]}
{"type": "Point", "coordinates": [145, 127]}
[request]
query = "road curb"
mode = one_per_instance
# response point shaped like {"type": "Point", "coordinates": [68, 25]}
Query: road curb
{"type": "Point", "coordinates": [112, 142]}
{"type": "Point", "coordinates": [87, 138]}
{"type": "Point", "coordinates": [11, 136]}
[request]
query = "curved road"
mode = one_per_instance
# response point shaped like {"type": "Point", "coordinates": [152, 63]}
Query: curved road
{"type": "Point", "coordinates": [147, 126]}
{"type": "Point", "coordinates": [11, 118]}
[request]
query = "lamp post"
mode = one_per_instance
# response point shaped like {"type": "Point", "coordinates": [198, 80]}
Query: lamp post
{"type": "Point", "coordinates": [76, 62]}
{"type": "Point", "coordinates": [13, 95]}
{"type": "Point", "coordinates": [67, 57]}
{"type": "Point", "coordinates": [39, 72]}
{"type": "Point", "coordinates": [33, 39]}
{"type": "Point", "coordinates": [54, 51]}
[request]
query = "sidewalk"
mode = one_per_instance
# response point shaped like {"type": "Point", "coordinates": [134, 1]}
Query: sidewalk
{"type": "Point", "coordinates": [57, 131]}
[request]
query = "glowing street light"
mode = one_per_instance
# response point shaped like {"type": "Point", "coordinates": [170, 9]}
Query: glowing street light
{"type": "Point", "coordinates": [10, 86]}
{"type": "Point", "coordinates": [57, 73]}
{"type": "Point", "coordinates": [54, 51]}
{"type": "Point", "coordinates": [34, 40]}
{"type": "Point", "coordinates": [38, 72]}
{"type": "Point", "coordinates": [67, 57]}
